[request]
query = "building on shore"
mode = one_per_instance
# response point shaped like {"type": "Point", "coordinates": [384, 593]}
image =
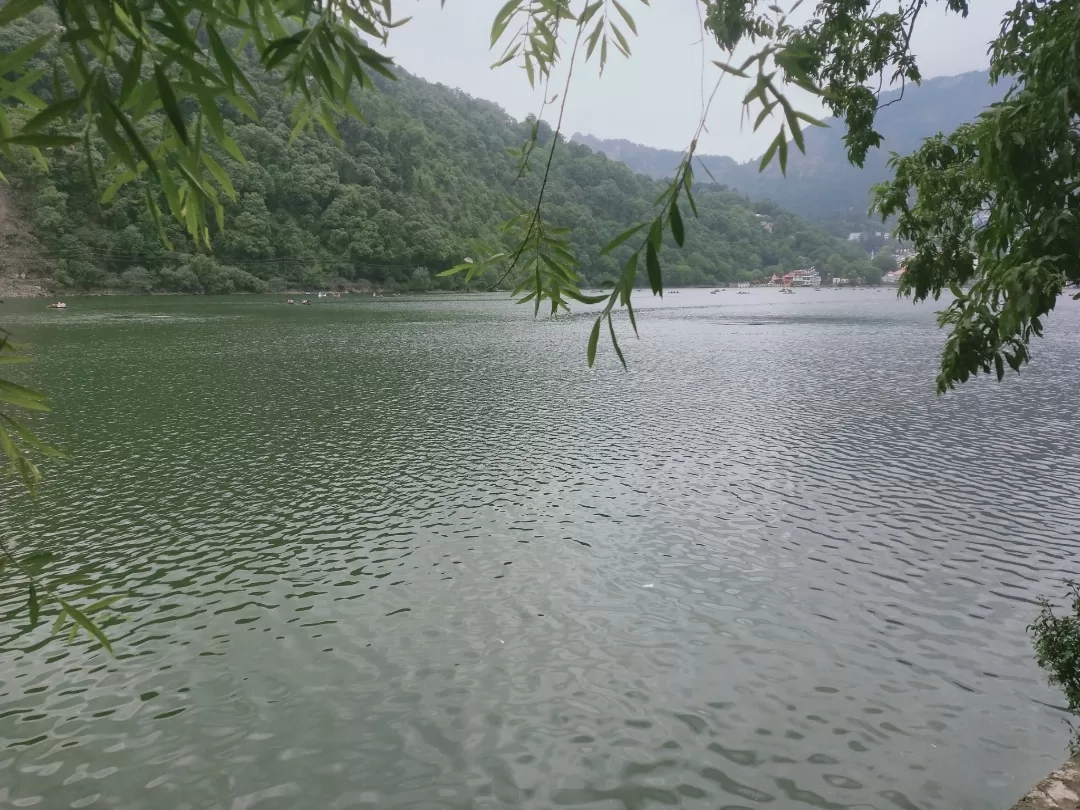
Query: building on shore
{"type": "Point", "coordinates": [894, 276]}
{"type": "Point", "coordinates": [805, 277]}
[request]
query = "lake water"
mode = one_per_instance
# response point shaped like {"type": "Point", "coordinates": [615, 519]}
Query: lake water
{"type": "Point", "coordinates": [411, 552]}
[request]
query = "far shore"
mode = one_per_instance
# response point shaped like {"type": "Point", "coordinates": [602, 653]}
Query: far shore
{"type": "Point", "coordinates": [40, 288]}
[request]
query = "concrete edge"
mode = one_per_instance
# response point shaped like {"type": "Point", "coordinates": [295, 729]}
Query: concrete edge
{"type": "Point", "coordinates": [1059, 791]}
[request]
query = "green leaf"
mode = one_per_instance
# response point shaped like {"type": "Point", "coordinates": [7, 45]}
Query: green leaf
{"type": "Point", "coordinates": [101, 604]}
{"type": "Point", "coordinates": [22, 397]}
{"type": "Point", "coordinates": [563, 272]}
{"type": "Point", "coordinates": [585, 299]}
{"type": "Point", "coordinates": [594, 337]}
{"type": "Point", "coordinates": [326, 121]}
{"type": "Point", "coordinates": [652, 265]}
{"type": "Point", "coordinates": [508, 55]}
{"type": "Point", "coordinates": [87, 624]}
{"type": "Point", "coordinates": [279, 49]}
{"type": "Point", "coordinates": [502, 19]}
{"type": "Point", "coordinates": [589, 12]}
{"type": "Point", "coordinates": [33, 605]}
{"type": "Point", "coordinates": [811, 120]}
{"type": "Point", "coordinates": [301, 121]}
{"type": "Point", "coordinates": [37, 561]}
{"type": "Point", "coordinates": [43, 141]}
{"type": "Point", "coordinates": [14, 9]}
{"type": "Point", "coordinates": [19, 57]}
{"type": "Point", "coordinates": [220, 175]}
{"type": "Point", "coordinates": [623, 45]}
{"type": "Point", "coordinates": [615, 341]}
{"type": "Point", "coordinates": [734, 71]}
{"type": "Point", "coordinates": [793, 125]}
{"type": "Point", "coordinates": [155, 213]}
{"type": "Point", "coordinates": [628, 277]}
{"type": "Point", "coordinates": [133, 136]}
{"type": "Point", "coordinates": [28, 436]}
{"type": "Point", "coordinates": [457, 268]}
{"type": "Point", "coordinates": [688, 185]}
{"type": "Point", "coordinates": [172, 192]}
{"type": "Point", "coordinates": [229, 145]}
{"type": "Point", "coordinates": [626, 16]}
{"type": "Point", "coordinates": [676, 224]}
{"type": "Point", "coordinates": [622, 237]}
{"type": "Point", "coordinates": [765, 111]}
{"type": "Point", "coordinates": [132, 74]}
{"type": "Point", "coordinates": [999, 366]}
{"type": "Point", "coordinates": [360, 21]}
{"type": "Point", "coordinates": [222, 56]}
{"type": "Point", "coordinates": [168, 101]}
{"type": "Point", "coordinates": [593, 38]}
{"type": "Point", "coordinates": [80, 34]}
{"type": "Point", "coordinates": [58, 625]}
{"type": "Point", "coordinates": [783, 152]}
{"type": "Point", "coordinates": [768, 156]}
{"type": "Point", "coordinates": [630, 312]}
{"type": "Point", "coordinates": [656, 233]}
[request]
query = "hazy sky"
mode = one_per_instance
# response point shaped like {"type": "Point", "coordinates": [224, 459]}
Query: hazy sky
{"type": "Point", "coordinates": [655, 97]}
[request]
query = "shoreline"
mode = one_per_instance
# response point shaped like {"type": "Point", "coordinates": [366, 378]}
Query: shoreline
{"type": "Point", "coordinates": [22, 289]}
{"type": "Point", "coordinates": [1058, 791]}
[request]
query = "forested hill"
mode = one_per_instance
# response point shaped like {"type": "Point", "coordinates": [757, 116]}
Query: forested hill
{"type": "Point", "coordinates": [822, 185]}
{"type": "Point", "coordinates": [399, 199]}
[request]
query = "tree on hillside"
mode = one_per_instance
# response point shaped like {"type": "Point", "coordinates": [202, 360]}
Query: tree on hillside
{"type": "Point", "coordinates": [885, 262]}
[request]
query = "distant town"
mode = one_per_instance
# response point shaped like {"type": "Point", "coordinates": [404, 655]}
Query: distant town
{"type": "Point", "coordinates": [810, 277]}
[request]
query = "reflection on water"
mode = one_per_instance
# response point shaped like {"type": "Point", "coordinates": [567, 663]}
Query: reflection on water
{"type": "Point", "coordinates": [412, 553]}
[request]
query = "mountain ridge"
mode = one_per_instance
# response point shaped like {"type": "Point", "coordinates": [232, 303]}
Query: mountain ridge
{"type": "Point", "coordinates": [404, 194]}
{"type": "Point", "coordinates": [821, 185]}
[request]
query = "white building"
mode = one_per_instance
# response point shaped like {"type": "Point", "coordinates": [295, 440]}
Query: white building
{"type": "Point", "coordinates": [806, 277]}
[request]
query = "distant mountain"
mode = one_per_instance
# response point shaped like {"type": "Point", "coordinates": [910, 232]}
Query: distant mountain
{"type": "Point", "coordinates": [822, 185]}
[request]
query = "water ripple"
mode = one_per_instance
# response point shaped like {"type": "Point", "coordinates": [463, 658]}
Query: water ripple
{"type": "Point", "coordinates": [412, 553]}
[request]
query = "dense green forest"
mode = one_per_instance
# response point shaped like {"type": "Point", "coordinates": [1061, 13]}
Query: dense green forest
{"type": "Point", "coordinates": [402, 196]}
{"type": "Point", "coordinates": [822, 185]}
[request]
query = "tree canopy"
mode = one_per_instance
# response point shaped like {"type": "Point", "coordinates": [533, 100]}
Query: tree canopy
{"type": "Point", "coordinates": [400, 197]}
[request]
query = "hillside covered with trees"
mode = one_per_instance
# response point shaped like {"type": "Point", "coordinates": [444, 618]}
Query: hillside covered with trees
{"type": "Point", "coordinates": [402, 196]}
{"type": "Point", "coordinates": [822, 185]}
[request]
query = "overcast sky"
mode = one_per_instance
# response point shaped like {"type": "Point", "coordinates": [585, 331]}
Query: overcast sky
{"type": "Point", "coordinates": [655, 97]}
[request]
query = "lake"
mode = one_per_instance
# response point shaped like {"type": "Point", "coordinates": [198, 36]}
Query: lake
{"type": "Point", "coordinates": [412, 552]}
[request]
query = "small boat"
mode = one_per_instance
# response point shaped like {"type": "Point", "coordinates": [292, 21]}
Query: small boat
{"type": "Point", "coordinates": [57, 305]}
{"type": "Point", "coordinates": [306, 303]}
{"type": "Point", "coordinates": [787, 291]}
{"type": "Point", "coordinates": [289, 301]}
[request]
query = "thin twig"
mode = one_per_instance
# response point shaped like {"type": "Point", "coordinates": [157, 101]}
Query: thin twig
{"type": "Point", "coordinates": [547, 169]}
